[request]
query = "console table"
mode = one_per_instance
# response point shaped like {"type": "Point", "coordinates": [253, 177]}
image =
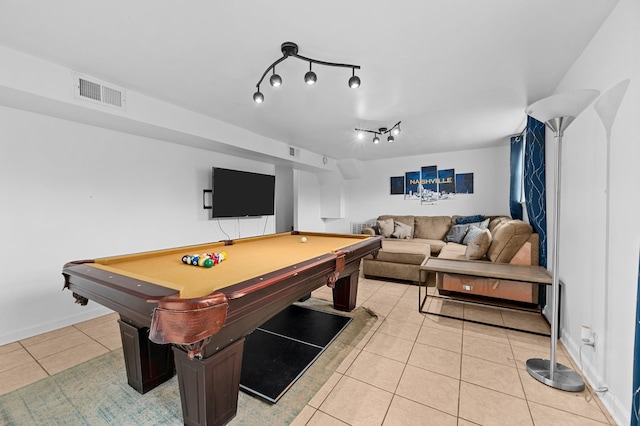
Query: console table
{"type": "Point", "coordinates": [500, 271]}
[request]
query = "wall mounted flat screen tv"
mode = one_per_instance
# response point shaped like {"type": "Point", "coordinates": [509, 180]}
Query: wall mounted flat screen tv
{"type": "Point", "coordinates": [238, 194]}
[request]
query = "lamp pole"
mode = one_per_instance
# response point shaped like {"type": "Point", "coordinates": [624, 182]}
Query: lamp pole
{"type": "Point", "coordinates": [558, 112]}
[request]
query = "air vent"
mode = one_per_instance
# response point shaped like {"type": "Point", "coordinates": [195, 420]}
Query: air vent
{"type": "Point", "coordinates": [95, 91]}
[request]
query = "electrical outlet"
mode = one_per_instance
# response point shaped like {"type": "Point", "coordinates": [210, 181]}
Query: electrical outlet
{"type": "Point", "coordinates": [587, 336]}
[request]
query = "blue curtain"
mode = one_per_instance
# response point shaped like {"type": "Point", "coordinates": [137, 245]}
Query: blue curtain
{"type": "Point", "coordinates": [515, 194]}
{"type": "Point", "coordinates": [635, 398]}
{"type": "Point", "coordinates": [534, 184]}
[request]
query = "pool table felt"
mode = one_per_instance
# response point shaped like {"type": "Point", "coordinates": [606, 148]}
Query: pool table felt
{"type": "Point", "coordinates": [247, 258]}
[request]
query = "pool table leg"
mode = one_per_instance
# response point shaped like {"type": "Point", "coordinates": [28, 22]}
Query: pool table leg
{"type": "Point", "coordinates": [345, 292]}
{"type": "Point", "coordinates": [148, 364]}
{"type": "Point", "coordinates": [209, 387]}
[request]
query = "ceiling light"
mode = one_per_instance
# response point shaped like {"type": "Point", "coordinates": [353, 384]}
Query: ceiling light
{"type": "Point", "coordinates": [354, 81]}
{"type": "Point", "coordinates": [275, 79]}
{"type": "Point", "coordinates": [395, 130]}
{"type": "Point", "coordinates": [291, 49]}
{"type": "Point", "coordinates": [310, 77]}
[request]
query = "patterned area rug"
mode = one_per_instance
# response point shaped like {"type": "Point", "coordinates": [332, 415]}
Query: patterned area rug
{"type": "Point", "coordinates": [96, 392]}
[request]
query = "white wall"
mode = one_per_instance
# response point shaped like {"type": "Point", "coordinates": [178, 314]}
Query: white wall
{"type": "Point", "coordinates": [71, 191]}
{"type": "Point", "coordinates": [306, 189]}
{"type": "Point", "coordinates": [368, 197]}
{"type": "Point", "coordinates": [596, 294]}
{"type": "Point", "coordinates": [284, 199]}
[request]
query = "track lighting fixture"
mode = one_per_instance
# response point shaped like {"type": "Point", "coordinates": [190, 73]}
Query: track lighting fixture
{"type": "Point", "coordinates": [291, 49]}
{"type": "Point", "coordinates": [394, 131]}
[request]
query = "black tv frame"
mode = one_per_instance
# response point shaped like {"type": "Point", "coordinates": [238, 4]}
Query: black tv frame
{"type": "Point", "coordinates": [237, 193]}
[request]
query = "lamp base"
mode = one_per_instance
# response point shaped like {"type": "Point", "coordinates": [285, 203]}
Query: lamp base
{"type": "Point", "coordinates": [564, 378]}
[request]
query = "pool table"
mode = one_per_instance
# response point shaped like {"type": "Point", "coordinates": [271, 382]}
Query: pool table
{"type": "Point", "coordinates": [193, 320]}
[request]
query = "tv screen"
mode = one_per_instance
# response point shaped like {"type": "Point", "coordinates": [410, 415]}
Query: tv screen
{"type": "Point", "coordinates": [238, 194]}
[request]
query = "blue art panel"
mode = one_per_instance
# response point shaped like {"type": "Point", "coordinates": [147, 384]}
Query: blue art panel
{"type": "Point", "coordinates": [411, 185]}
{"type": "Point", "coordinates": [446, 183]}
{"type": "Point", "coordinates": [464, 183]}
{"type": "Point", "coordinates": [397, 185]}
{"type": "Point", "coordinates": [429, 183]}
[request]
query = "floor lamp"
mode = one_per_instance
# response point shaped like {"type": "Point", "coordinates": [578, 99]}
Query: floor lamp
{"type": "Point", "coordinates": [558, 112]}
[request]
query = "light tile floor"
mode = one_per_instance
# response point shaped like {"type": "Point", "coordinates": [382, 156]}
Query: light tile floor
{"type": "Point", "coordinates": [410, 369]}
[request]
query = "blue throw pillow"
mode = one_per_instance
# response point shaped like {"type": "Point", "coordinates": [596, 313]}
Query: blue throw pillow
{"type": "Point", "coordinates": [470, 219]}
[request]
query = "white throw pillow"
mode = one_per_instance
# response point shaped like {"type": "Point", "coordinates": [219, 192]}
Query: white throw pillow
{"type": "Point", "coordinates": [386, 227]}
{"type": "Point", "coordinates": [402, 230]}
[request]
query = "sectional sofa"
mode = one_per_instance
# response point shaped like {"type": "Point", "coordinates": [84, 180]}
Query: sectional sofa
{"type": "Point", "coordinates": [409, 240]}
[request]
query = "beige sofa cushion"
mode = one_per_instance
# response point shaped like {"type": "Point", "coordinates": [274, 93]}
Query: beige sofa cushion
{"type": "Point", "coordinates": [453, 251]}
{"type": "Point", "coordinates": [403, 251]}
{"type": "Point", "coordinates": [432, 227]}
{"type": "Point", "coordinates": [496, 221]}
{"type": "Point", "coordinates": [436, 245]}
{"type": "Point", "coordinates": [507, 238]}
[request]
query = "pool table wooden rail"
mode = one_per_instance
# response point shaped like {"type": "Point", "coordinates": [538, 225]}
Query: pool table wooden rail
{"type": "Point", "coordinates": [202, 338]}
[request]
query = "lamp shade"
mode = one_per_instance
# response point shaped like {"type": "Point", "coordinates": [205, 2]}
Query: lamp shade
{"type": "Point", "coordinates": [566, 105]}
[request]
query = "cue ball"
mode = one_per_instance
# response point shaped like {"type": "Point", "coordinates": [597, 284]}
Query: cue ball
{"type": "Point", "coordinates": [303, 239]}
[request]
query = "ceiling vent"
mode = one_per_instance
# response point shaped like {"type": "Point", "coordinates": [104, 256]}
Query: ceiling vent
{"type": "Point", "coordinates": [95, 91]}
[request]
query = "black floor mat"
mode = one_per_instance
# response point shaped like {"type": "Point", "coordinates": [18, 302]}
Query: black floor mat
{"type": "Point", "coordinates": [281, 350]}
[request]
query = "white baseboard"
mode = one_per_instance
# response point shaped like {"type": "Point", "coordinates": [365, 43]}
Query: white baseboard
{"type": "Point", "coordinates": [85, 314]}
{"type": "Point", "coordinates": [619, 413]}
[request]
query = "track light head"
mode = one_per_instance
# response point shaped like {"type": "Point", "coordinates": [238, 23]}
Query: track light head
{"type": "Point", "coordinates": [310, 77]}
{"type": "Point", "coordinates": [360, 134]}
{"type": "Point", "coordinates": [354, 81]}
{"type": "Point", "coordinates": [396, 130]}
{"type": "Point", "coordinates": [390, 138]}
{"type": "Point", "coordinates": [258, 97]}
{"type": "Point", "coordinates": [376, 139]}
{"type": "Point", "coordinates": [275, 79]}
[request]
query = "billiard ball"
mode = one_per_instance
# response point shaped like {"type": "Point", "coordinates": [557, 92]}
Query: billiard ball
{"type": "Point", "coordinates": [303, 239]}
{"type": "Point", "coordinates": [208, 263]}
{"type": "Point", "coordinates": [186, 259]}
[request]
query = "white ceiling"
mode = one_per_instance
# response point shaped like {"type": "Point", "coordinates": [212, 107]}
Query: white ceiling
{"type": "Point", "coordinates": [457, 73]}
